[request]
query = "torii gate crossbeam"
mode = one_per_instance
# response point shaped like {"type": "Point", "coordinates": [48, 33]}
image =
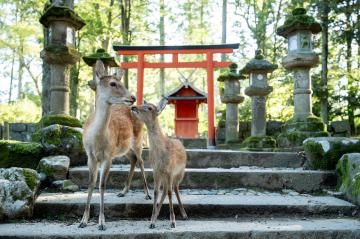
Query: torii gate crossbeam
{"type": "Point", "coordinates": [209, 64]}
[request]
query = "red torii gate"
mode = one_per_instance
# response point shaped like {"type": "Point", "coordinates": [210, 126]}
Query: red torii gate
{"type": "Point", "coordinates": [209, 64]}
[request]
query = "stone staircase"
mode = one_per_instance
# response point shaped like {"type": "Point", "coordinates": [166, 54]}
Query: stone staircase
{"type": "Point", "coordinates": [227, 194]}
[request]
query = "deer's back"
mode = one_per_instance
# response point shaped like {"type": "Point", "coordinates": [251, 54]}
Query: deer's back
{"type": "Point", "coordinates": [169, 156]}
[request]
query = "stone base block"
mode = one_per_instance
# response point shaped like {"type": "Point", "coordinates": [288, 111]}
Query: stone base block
{"type": "Point", "coordinates": [295, 131]}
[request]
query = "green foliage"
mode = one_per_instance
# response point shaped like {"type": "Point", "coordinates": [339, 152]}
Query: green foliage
{"type": "Point", "coordinates": [21, 111]}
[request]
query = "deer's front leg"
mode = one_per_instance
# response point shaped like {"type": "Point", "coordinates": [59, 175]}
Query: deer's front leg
{"type": "Point", "coordinates": [156, 195]}
{"type": "Point", "coordinates": [93, 173]}
{"type": "Point", "coordinates": [103, 178]}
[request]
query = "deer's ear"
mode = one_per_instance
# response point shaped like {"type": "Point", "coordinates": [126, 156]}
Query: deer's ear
{"type": "Point", "coordinates": [119, 74]}
{"type": "Point", "coordinates": [99, 70]}
{"type": "Point", "coordinates": [161, 105]}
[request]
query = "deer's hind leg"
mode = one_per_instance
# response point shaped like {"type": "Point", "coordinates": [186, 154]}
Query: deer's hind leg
{"type": "Point", "coordinates": [132, 158]}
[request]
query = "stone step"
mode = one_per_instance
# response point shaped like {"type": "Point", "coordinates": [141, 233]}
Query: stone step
{"type": "Point", "coordinates": [297, 179]}
{"type": "Point", "coordinates": [341, 228]}
{"type": "Point", "coordinates": [204, 158]}
{"type": "Point", "coordinates": [242, 203]}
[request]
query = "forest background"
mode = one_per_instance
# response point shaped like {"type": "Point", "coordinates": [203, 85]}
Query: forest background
{"type": "Point", "coordinates": [252, 23]}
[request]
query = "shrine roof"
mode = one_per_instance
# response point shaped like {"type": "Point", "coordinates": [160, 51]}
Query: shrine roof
{"type": "Point", "coordinates": [172, 95]}
{"type": "Point", "coordinates": [176, 47]}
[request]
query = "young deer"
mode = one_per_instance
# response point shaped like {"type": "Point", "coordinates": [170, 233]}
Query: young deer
{"type": "Point", "coordinates": [110, 131]}
{"type": "Point", "coordinates": [168, 158]}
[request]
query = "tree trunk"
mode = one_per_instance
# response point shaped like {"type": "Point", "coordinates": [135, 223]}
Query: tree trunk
{"type": "Point", "coordinates": [224, 26]}
{"type": "Point", "coordinates": [324, 63]}
{"type": "Point", "coordinates": [162, 43]}
{"type": "Point", "coordinates": [74, 89]}
{"type": "Point", "coordinates": [348, 39]}
{"type": "Point", "coordinates": [125, 9]}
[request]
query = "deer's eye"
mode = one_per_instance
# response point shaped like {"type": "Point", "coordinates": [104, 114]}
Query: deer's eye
{"type": "Point", "coordinates": [149, 108]}
{"type": "Point", "coordinates": [112, 84]}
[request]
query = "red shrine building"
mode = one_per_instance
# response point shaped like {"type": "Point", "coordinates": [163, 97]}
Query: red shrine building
{"type": "Point", "coordinates": [186, 100]}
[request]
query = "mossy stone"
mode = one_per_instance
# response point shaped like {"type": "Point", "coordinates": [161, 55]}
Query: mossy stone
{"type": "Point", "coordinates": [61, 119]}
{"type": "Point", "coordinates": [32, 179]}
{"type": "Point", "coordinates": [319, 159]}
{"type": "Point", "coordinates": [64, 140]}
{"type": "Point", "coordinates": [20, 154]}
{"type": "Point", "coordinates": [348, 172]}
{"type": "Point", "coordinates": [259, 142]}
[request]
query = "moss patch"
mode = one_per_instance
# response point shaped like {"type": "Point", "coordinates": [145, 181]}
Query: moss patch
{"type": "Point", "coordinates": [20, 154]}
{"type": "Point", "coordinates": [60, 119]}
{"type": "Point", "coordinates": [298, 20]}
{"type": "Point", "coordinates": [31, 178]}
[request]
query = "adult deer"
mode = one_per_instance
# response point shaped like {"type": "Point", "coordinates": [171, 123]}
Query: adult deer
{"type": "Point", "coordinates": [168, 159]}
{"type": "Point", "coordinates": [110, 131]}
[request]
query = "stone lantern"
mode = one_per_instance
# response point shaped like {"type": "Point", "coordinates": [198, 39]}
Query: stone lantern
{"type": "Point", "coordinates": [298, 29]}
{"type": "Point", "coordinates": [105, 57]}
{"type": "Point", "coordinates": [61, 23]}
{"type": "Point", "coordinates": [231, 97]}
{"type": "Point", "coordinates": [258, 89]}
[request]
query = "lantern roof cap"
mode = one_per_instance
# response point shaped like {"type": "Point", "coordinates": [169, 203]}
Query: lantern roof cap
{"type": "Point", "coordinates": [298, 20]}
{"type": "Point", "coordinates": [102, 55]}
{"type": "Point", "coordinates": [62, 13]}
{"type": "Point", "coordinates": [258, 63]}
{"type": "Point", "coordinates": [231, 74]}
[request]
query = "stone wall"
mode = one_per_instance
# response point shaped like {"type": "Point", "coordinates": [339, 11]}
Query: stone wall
{"type": "Point", "coordinates": [17, 131]}
{"type": "Point", "coordinates": [273, 128]}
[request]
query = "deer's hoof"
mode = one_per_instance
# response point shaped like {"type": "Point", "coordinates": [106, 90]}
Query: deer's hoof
{"type": "Point", "coordinates": [152, 226]}
{"type": "Point", "coordinates": [121, 195]}
{"type": "Point", "coordinates": [101, 227]}
{"type": "Point", "coordinates": [172, 225]}
{"type": "Point", "coordinates": [82, 225]}
{"type": "Point", "coordinates": [147, 197]}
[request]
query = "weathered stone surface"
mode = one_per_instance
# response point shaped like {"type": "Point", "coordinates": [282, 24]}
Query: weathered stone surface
{"type": "Point", "coordinates": [54, 167]}
{"type": "Point", "coordinates": [65, 185]}
{"type": "Point", "coordinates": [63, 140]}
{"type": "Point", "coordinates": [348, 171]}
{"type": "Point", "coordinates": [18, 188]}
{"type": "Point", "coordinates": [324, 152]}
{"type": "Point", "coordinates": [300, 180]}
